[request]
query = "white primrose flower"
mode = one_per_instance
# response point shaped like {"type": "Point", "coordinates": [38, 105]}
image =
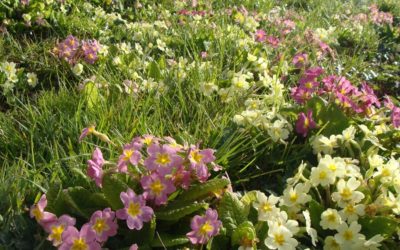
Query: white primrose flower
{"type": "Point", "coordinates": [32, 79]}
{"type": "Point", "coordinates": [296, 196]}
{"type": "Point", "coordinates": [330, 219]}
{"type": "Point", "coordinates": [374, 242]}
{"type": "Point", "coordinates": [388, 171]}
{"type": "Point", "coordinates": [77, 69]}
{"type": "Point", "coordinates": [321, 176]}
{"type": "Point", "coordinates": [349, 236]}
{"type": "Point", "coordinates": [281, 238]}
{"type": "Point", "coordinates": [346, 192]}
{"type": "Point", "coordinates": [331, 244]}
{"type": "Point", "coordinates": [278, 130]}
{"type": "Point", "coordinates": [324, 144]}
{"type": "Point", "coordinates": [266, 206]}
{"type": "Point", "coordinates": [310, 231]}
{"type": "Point", "coordinates": [348, 135]}
{"type": "Point", "coordinates": [351, 212]}
{"type": "Point", "coordinates": [282, 219]}
{"type": "Point", "coordinates": [207, 88]}
{"type": "Point", "coordinates": [9, 68]}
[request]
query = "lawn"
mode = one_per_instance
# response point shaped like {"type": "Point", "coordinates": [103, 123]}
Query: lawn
{"type": "Point", "coordinates": [250, 124]}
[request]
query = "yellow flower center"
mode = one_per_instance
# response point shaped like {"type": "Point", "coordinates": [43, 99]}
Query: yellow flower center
{"type": "Point", "coordinates": [134, 209]}
{"type": "Point", "coordinates": [100, 225]}
{"type": "Point", "coordinates": [266, 207]}
{"type": "Point", "coordinates": [37, 213]}
{"type": "Point", "coordinates": [163, 159]}
{"type": "Point", "coordinates": [309, 85]}
{"type": "Point", "coordinates": [331, 217]}
{"type": "Point", "coordinates": [279, 239]}
{"type": "Point", "coordinates": [332, 167]}
{"type": "Point", "coordinates": [348, 235]}
{"type": "Point", "coordinates": [206, 228]}
{"type": "Point", "coordinates": [293, 197]}
{"type": "Point", "coordinates": [346, 193]}
{"type": "Point", "coordinates": [157, 187]}
{"type": "Point", "coordinates": [350, 209]}
{"type": "Point", "coordinates": [196, 156]}
{"type": "Point", "coordinates": [322, 175]}
{"type": "Point", "coordinates": [128, 154]}
{"type": "Point", "coordinates": [385, 172]}
{"type": "Point", "coordinates": [90, 129]}
{"type": "Point", "coordinates": [306, 122]}
{"type": "Point", "coordinates": [56, 233]}
{"type": "Point", "coordinates": [79, 244]}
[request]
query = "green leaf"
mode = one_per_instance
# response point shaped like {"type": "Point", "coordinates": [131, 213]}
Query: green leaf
{"type": "Point", "coordinates": [249, 198]}
{"type": "Point", "coordinates": [91, 94]}
{"type": "Point", "coordinates": [382, 225]}
{"type": "Point", "coordinates": [154, 71]}
{"type": "Point", "coordinates": [200, 190]}
{"type": "Point", "coordinates": [316, 210]}
{"type": "Point", "coordinates": [219, 242]}
{"type": "Point", "coordinates": [244, 231]}
{"type": "Point", "coordinates": [176, 213]}
{"type": "Point", "coordinates": [166, 240]}
{"type": "Point", "coordinates": [76, 199]}
{"type": "Point", "coordinates": [112, 188]}
{"type": "Point", "coordinates": [55, 199]}
{"type": "Point", "coordinates": [231, 211]}
{"type": "Point", "coordinates": [330, 116]}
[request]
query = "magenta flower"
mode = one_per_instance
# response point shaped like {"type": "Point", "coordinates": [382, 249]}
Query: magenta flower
{"type": "Point", "coordinates": [42, 217]}
{"type": "Point", "coordinates": [90, 49]}
{"type": "Point", "coordinates": [300, 60]}
{"type": "Point", "coordinates": [135, 211]}
{"type": "Point", "coordinates": [300, 95]}
{"type": "Point", "coordinates": [388, 102]}
{"type": "Point", "coordinates": [203, 54]}
{"type": "Point", "coordinates": [368, 96]}
{"type": "Point", "coordinates": [304, 123]}
{"type": "Point", "coordinates": [204, 227]}
{"type": "Point", "coordinates": [182, 177]}
{"type": "Point", "coordinates": [86, 131]}
{"type": "Point", "coordinates": [314, 72]}
{"type": "Point", "coordinates": [82, 240]}
{"type": "Point", "coordinates": [200, 157]}
{"type": "Point", "coordinates": [157, 187]}
{"type": "Point", "coordinates": [103, 224]}
{"type": "Point", "coordinates": [260, 36]}
{"type": "Point", "coordinates": [95, 167]}
{"type": "Point", "coordinates": [308, 83]}
{"type": "Point", "coordinates": [131, 155]}
{"type": "Point", "coordinates": [72, 42]}
{"type": "Point", "coordinates": [396, 117]}
{"type": "Point", "coordinates": [162, 158]}
{"type": "Point", "coordinates": [134, 247]}
{"type": "Point", "coordinates": [273, 41]}
{"type": "Point", "coordinates": [56, 229]}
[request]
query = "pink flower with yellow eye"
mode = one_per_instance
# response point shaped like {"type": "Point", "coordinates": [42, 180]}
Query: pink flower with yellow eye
{"type": "Point", "coordinates": [135, 211]}
{"type": "Point", "coordinates": [260, 36]}
{"type": "Point", "coordinates": [103, 224]}
{"type": "Point", "coordinates": [299, 60]}
{"type": "Point", "coordinates": [85, 239]}
{"type": "Point", "coordinates": [157, 188]}
{"type": "Point", "coordinates": [131, 155]}
{"type": "Point", "coordinates": [162, 158]}
{"type": "Point", "coordinates": [42, 217]}
{"type": "Point", "coordinates": [304, 123]}
{"type": "Point", "coordinates": [57, 228]}
{"type": "Point", "coordinates": [95, 167]}
{"type": "Point", "coordinates": [204, 227]}
{"type": "Point", "coordinates": [87, 131]}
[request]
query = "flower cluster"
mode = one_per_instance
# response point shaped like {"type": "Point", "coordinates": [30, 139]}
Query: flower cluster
{"type": "Point", "coordinates": [347, 196]}
{"type": "Point", "coordinates": [162, 167]}
{"type": "Point", "coordinates": [72, 50]}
